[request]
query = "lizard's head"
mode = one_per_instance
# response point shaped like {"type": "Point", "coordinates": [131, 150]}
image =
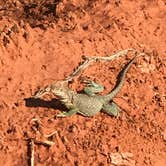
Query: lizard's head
{"type": "Point", "coordinates": [57, 88]}
{"type": "Point", "coordinates": [41, 92]}
{"type": "Point", "coordinates": [60, 89]}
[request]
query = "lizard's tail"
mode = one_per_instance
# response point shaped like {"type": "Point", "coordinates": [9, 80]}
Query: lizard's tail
{"type": "Point", "coordinates": [120, 81]}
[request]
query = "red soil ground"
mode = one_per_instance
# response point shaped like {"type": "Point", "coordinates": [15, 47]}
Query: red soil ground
{"type": "Point", "coordinates": [42, 41]}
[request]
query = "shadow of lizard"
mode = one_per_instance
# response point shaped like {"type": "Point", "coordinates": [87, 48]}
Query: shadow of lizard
{"type": "Point", "coordinates": [54, 103]}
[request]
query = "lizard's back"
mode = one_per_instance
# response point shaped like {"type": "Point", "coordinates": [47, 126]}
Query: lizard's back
{"type": "Point", "coordinates": [88, 105]}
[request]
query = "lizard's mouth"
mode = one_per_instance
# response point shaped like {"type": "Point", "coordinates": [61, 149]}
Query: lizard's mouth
{"type": "Point", "coordinates": [41, 92]}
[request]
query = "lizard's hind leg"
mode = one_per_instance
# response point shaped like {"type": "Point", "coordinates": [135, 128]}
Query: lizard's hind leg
{"type": "Point", "coordinates": [111, 109]}
{"type": "Point", "coordinates": [92, 88]}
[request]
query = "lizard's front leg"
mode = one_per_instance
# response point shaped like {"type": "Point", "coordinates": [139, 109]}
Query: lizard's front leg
{"type": "Point", "coordinates": [72, 111]}
{"type": "Point", "coordinates": [111, 109]}
{"type": "Point", "coordinates": [92, 88]}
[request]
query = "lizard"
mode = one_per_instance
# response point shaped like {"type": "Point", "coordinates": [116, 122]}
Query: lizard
{"type": "Point", "coordinates": [88, 103]}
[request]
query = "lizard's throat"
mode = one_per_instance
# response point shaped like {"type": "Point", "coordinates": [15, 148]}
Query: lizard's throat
{"type": "Point", "coordinates": [65, 97]}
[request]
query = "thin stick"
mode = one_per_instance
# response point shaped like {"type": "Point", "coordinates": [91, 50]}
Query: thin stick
{"type": "Point", "coordinates": [51, 134]}
{"type": "Point", "coordinates": [44, 142]}
{"type": "Point", "coordinates": [31, 149]}
{"type": "Point", "coordinates": [32, 152]}
{"type": "Point", "coordinates": [89, 60]}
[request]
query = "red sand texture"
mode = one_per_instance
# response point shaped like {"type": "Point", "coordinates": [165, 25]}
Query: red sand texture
{"type": "Point", "coordinates": [42, 41]}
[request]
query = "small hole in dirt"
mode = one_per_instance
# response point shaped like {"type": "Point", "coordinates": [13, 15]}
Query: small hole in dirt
{"type": "Point", "coordinates": [155, 88]}
{"type": "Point", "coordinates": [5, 41]}
{"type": "Point", "coordinates": [16, 104]}
{"type": "Point", "coordinates": [85, 27]}
{"type": "Point", "coordinates": [101, 164]}
{"type": "Point", "coordinates": [72, 128]}
{"type": "Point", "coordinates": [76, 163]}
{"type": "Point", "coordinates": [26, 36]}
{"type": "Point", "coordinates": [11, 130]}
{"type": "Point", "coordinates": [9, 79]}
{"type": "Point", "coordinates": [113, 136]}
{"type": "Point", "coordinates": [117, 148]}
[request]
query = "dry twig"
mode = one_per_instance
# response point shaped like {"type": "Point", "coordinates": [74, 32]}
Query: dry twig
{"type": "Point", "coordinates": [89, 60]}
{"type": "Point", "coordinates": [32, 152]}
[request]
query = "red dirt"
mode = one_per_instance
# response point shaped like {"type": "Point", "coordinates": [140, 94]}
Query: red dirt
{"type": "Point", "coordinates": [43, 42]}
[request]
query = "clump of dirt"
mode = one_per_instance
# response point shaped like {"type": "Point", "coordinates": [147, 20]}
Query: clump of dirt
{"type": "Point", "coordinates": [37, 13]}
{"type": "Point", "coordinates": [43, 41]}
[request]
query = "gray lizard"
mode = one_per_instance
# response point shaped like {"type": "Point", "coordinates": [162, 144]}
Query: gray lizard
{"type": "Point", "coordinates": [88, 103]}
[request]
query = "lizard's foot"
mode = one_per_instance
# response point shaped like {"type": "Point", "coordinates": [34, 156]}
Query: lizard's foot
{"type": "Point", "coordinates": [61, 115]}
{"type": "Point", "coordinates": [69, 113]}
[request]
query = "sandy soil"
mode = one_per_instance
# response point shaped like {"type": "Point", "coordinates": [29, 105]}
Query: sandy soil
{"type": "Point", "coordinates": [42, 41]}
